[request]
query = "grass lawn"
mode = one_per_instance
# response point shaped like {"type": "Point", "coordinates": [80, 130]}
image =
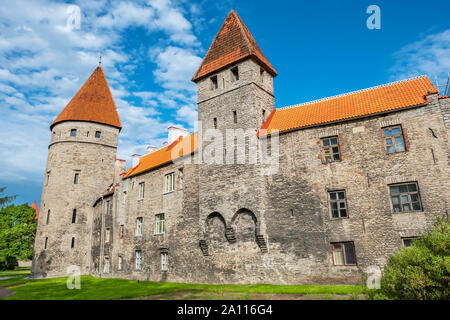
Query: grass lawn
{"type": "Point", "coordinates": [106, 289]}
{"type": "Point", "coordinates": [14, 276]}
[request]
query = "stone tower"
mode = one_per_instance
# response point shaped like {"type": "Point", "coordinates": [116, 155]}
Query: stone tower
{"type": "Point", "coordinates": [235, 91]}
{"type": "Point", "coordinates": [80, 165]}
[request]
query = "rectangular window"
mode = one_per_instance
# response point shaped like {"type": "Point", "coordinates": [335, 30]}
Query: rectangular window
{"type": "Point", "coordinates": [393, 139]}
{"type": "Point", "coordinates": [139, 227]}
{"type": "Point", "coordinates": [405, 197]}
{"type": "Point", "coordinates": [164, 261]}
{"type": "Point", "coordinates": [235, 74]}
{"type": "Point", "coordinates": [338, 204]}
{"type": "Point", "coordinates": [75, 178]}
{"type": "Point", "coordinates": [74, 215]}
{"type": "Point", "coordinates": [108, 207]}
{"type": "Point", "coordinates": [73, 132]}
{"type": "Point", "coordinates": [214, 83]}
{"type": "Point", "coordinates": [169, 182]}
{"type": "Point", "coordinates": [48, 217]}
{"type": "Point", "coordinates": [141, 190]}
{"type": "Point", "coordinates": [107, 235]}
{"type": "Point", "coordinates": [331, 149]}
{"type": "Point", "coordinates": [264, 115]}
{"type": "Point", "coordinates": [106, 267]}
{"type": "Point", "coordinates": [138, 260]}
{"type": "Point", "coordinates": [159, 223]}
{"type": "Point", "coordinates": [407, 242]}
{"type": "Point", "coordinates": [235, 116]}
{"type": "Point", "coordinates": [343, 254]}
{"type": "Point", "coordinates": [72, 244]}
{"type": "Point", "coordinates": [98, 134]}
{"type": "Point", "coordinates": [121, 227]}
{"type": "Point", "coordinates": [215, 123]}
{"type": "Point", "coordinates": [180, 175]}
{"type": "Point", "coordinates": [45, 242]}
{"type": "Point", "coordinates": [119, 264]}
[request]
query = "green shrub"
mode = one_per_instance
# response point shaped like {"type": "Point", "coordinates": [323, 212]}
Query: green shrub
{"type": "Point", "coordinates": [9, 264]}
{"type": "Point", "coordinates": [420, 272]}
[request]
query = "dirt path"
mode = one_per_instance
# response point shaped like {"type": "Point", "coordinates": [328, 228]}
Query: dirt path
{"type": "Point", "coordinates": [5, 293]}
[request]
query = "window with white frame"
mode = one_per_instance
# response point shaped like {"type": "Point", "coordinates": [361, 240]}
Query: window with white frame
{"type": "Point", "coordinates": [169, 182]}
{"type": "Point", "coordinates": [141, 190]}
{"type": "Point", "coordinates": [164, 261]}
{"type": "Point", "coordinates": [120, 263]}
{"type": "Point", "coordinates": [159, 223]}
{"type": "Point", "coordinates": [138, 265]}
{"type": "Point", "coordinates": [139, 227]}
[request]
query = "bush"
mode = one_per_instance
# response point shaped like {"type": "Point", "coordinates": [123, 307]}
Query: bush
{"type": "Point", "coordinates": [9, 264]}
{"type": "Point", "coordinates": [422, 271]}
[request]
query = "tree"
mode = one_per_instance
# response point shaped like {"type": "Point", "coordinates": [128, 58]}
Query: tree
{"type": "Point", "coordinates": [17, 232]}
{"type": "Point", "coordinates": [422, 271]}
{"type": "Point", "coordinates": [5, 200]}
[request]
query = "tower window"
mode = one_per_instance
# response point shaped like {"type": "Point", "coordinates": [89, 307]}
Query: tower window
{"type": "Point", "coordinates": [107, 235]}
{"type": "Point", "coordinates": [74, 215]}
{"type": "Point", "coordinates": [264, 115]}
{"type": "Point", "coordinates": [405, 197]}
{"type": "Point", "coordinates": [215, 123]}
{"type": "Point", "coordinates": [331, 149]}
{"type": "Point", "coordinates": [393, 139]}
{"type": "Point", "coordinates": [73, 132]}
{"type": "Point", "coordinates": [343, 254]}
{"type": "Point", "coordinates": [235, 116]}
{"type": "Point", "coordinates": [46, 242]}
{"type": "Point", "coordinates": [261, 74]}
{"type": "Point", "coordinates": [180, 176]}
{"type": "Point", "coordinates": [75, 178]}
{"type": "Point", "coordinates": [121, 227]}
{"type": "Point", "coordinates": [72, 244]}
{"type": "Point", "coordinates": [214, 83]}
{"type": "Point", "coordinates": [235, 74]}
{"type": "Point", "coordinates": [139, 227]}
{"type": "Point", "coordinates": [141, 190]}
{"type": "Point", "coordinates": [120, 263]}
{"type": "Point", "coordinates": [164, 261]}
{"type": "Point", "coordinates": [159, 223]}
{"type": "Point", "coordinates": [338, 204]}
{"type": "Point", "coordinates": [106, 267]}
{"type": "Point", "coordinates": [98, 134]}
{"type": "Point", "coordinates": [169, 182]}
{"type": "Point", "coordinates": [138, 265]}
{"type": "Point", "coordinates": [48, 217]}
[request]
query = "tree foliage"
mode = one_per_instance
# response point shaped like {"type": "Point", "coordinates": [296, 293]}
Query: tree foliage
{"type": "Point", "coordinates": [422, 271]}
{"type": "Point", "coordinates": [17, 232]}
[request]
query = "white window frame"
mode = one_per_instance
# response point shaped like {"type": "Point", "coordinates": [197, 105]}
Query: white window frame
{"type": "Point", "coordinates": [139, 222]}
{"type": "Point", "coordinates": [120, 263]}
{"type": "Point", "coordinates": [169, 182]}
{"type": "Point", "coordinates": [141, 190]}
{"type": "Point", "coordinates": [159, 223]}
{"type": "Point", "coordinates": [164, 261]}
{"type": "Point", "coordinates": [138, 263]}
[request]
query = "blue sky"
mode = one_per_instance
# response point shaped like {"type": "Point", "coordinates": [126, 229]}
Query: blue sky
{"type": "Point", "coordinates": [150, 50]}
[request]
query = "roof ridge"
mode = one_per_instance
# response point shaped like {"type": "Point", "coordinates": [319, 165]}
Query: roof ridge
{"type": "Point", "coordinates": [350, 93]}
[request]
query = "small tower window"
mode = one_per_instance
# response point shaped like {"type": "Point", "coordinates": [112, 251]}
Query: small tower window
{"type": "Point", "coordinates": [264, 115]}
{"type": "Point", "coordinates": [74, 215]}
{"type": "Point", "coordinates": [235, 116]}
{"type": "Point", "coordinates": [98, 134]}
{"type": "Point", "coordinates": [215, 123]}
{"type": "Point", "coordinates": [72, 244]}
{"type": "Point", "coordinates": [164, 261]}
{"type": "Point", "coordinates": [235, 74]}
{"type": "Point", "coordinates": [75, 178]}
{"type": "Point", "coordinates": [261, 74]}
{"type": "Point", "coordinates": [119, 265]}
{"type": "Point", "coordinates": [214, 83]}
{"type": "Point", "coordinates": [73, 132]}
{"type": "Point", "coordinates": [48, 217]}
{"type": "Point", "coordinates": [46, 242]}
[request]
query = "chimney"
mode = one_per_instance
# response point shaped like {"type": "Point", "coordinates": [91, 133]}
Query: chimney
{"type": "Point", "coordinates": [151, 149]}
{"type": "Point", "coordinates": [175, 133]}
{"type": "Point", "coordinates": [135, 159]}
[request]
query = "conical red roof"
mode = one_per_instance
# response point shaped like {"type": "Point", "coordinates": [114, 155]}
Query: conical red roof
{"type": "Point", "coordinates": [233, 43]}
{"type": "Point", "coordinates": [92, 103]}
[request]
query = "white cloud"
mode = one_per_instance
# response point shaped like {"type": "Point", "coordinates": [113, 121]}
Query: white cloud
{"type": "Point", "coordinates": [429, 56]}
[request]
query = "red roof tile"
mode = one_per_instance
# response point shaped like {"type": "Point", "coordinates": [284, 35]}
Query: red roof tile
{"type": "Point", "coordinates": [233, 43]}
{"type": "Point", "coordinates": [178, 149]}
{"type": "Point", "coordinates": [356, 104]}
{"type": "Point", "coordinates": [93, 103]}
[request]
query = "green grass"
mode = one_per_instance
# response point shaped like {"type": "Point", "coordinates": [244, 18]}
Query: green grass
{"type": "Point", "coordinates": [17, 276]}
{"type": "Point", "coordinates": [106, 289]}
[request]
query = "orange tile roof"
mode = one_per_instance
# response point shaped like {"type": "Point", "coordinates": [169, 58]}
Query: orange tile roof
{"type": "Point", "coordinates": [93, 103]}
{"type": "Point", "coordinates": [388, 97]}
{"type": "Point", "coordinates": [233, 43]}
{"type": "Point", "coordinates": [178, 149]}
{"type": "Point", "coordinates": [35, 207]}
